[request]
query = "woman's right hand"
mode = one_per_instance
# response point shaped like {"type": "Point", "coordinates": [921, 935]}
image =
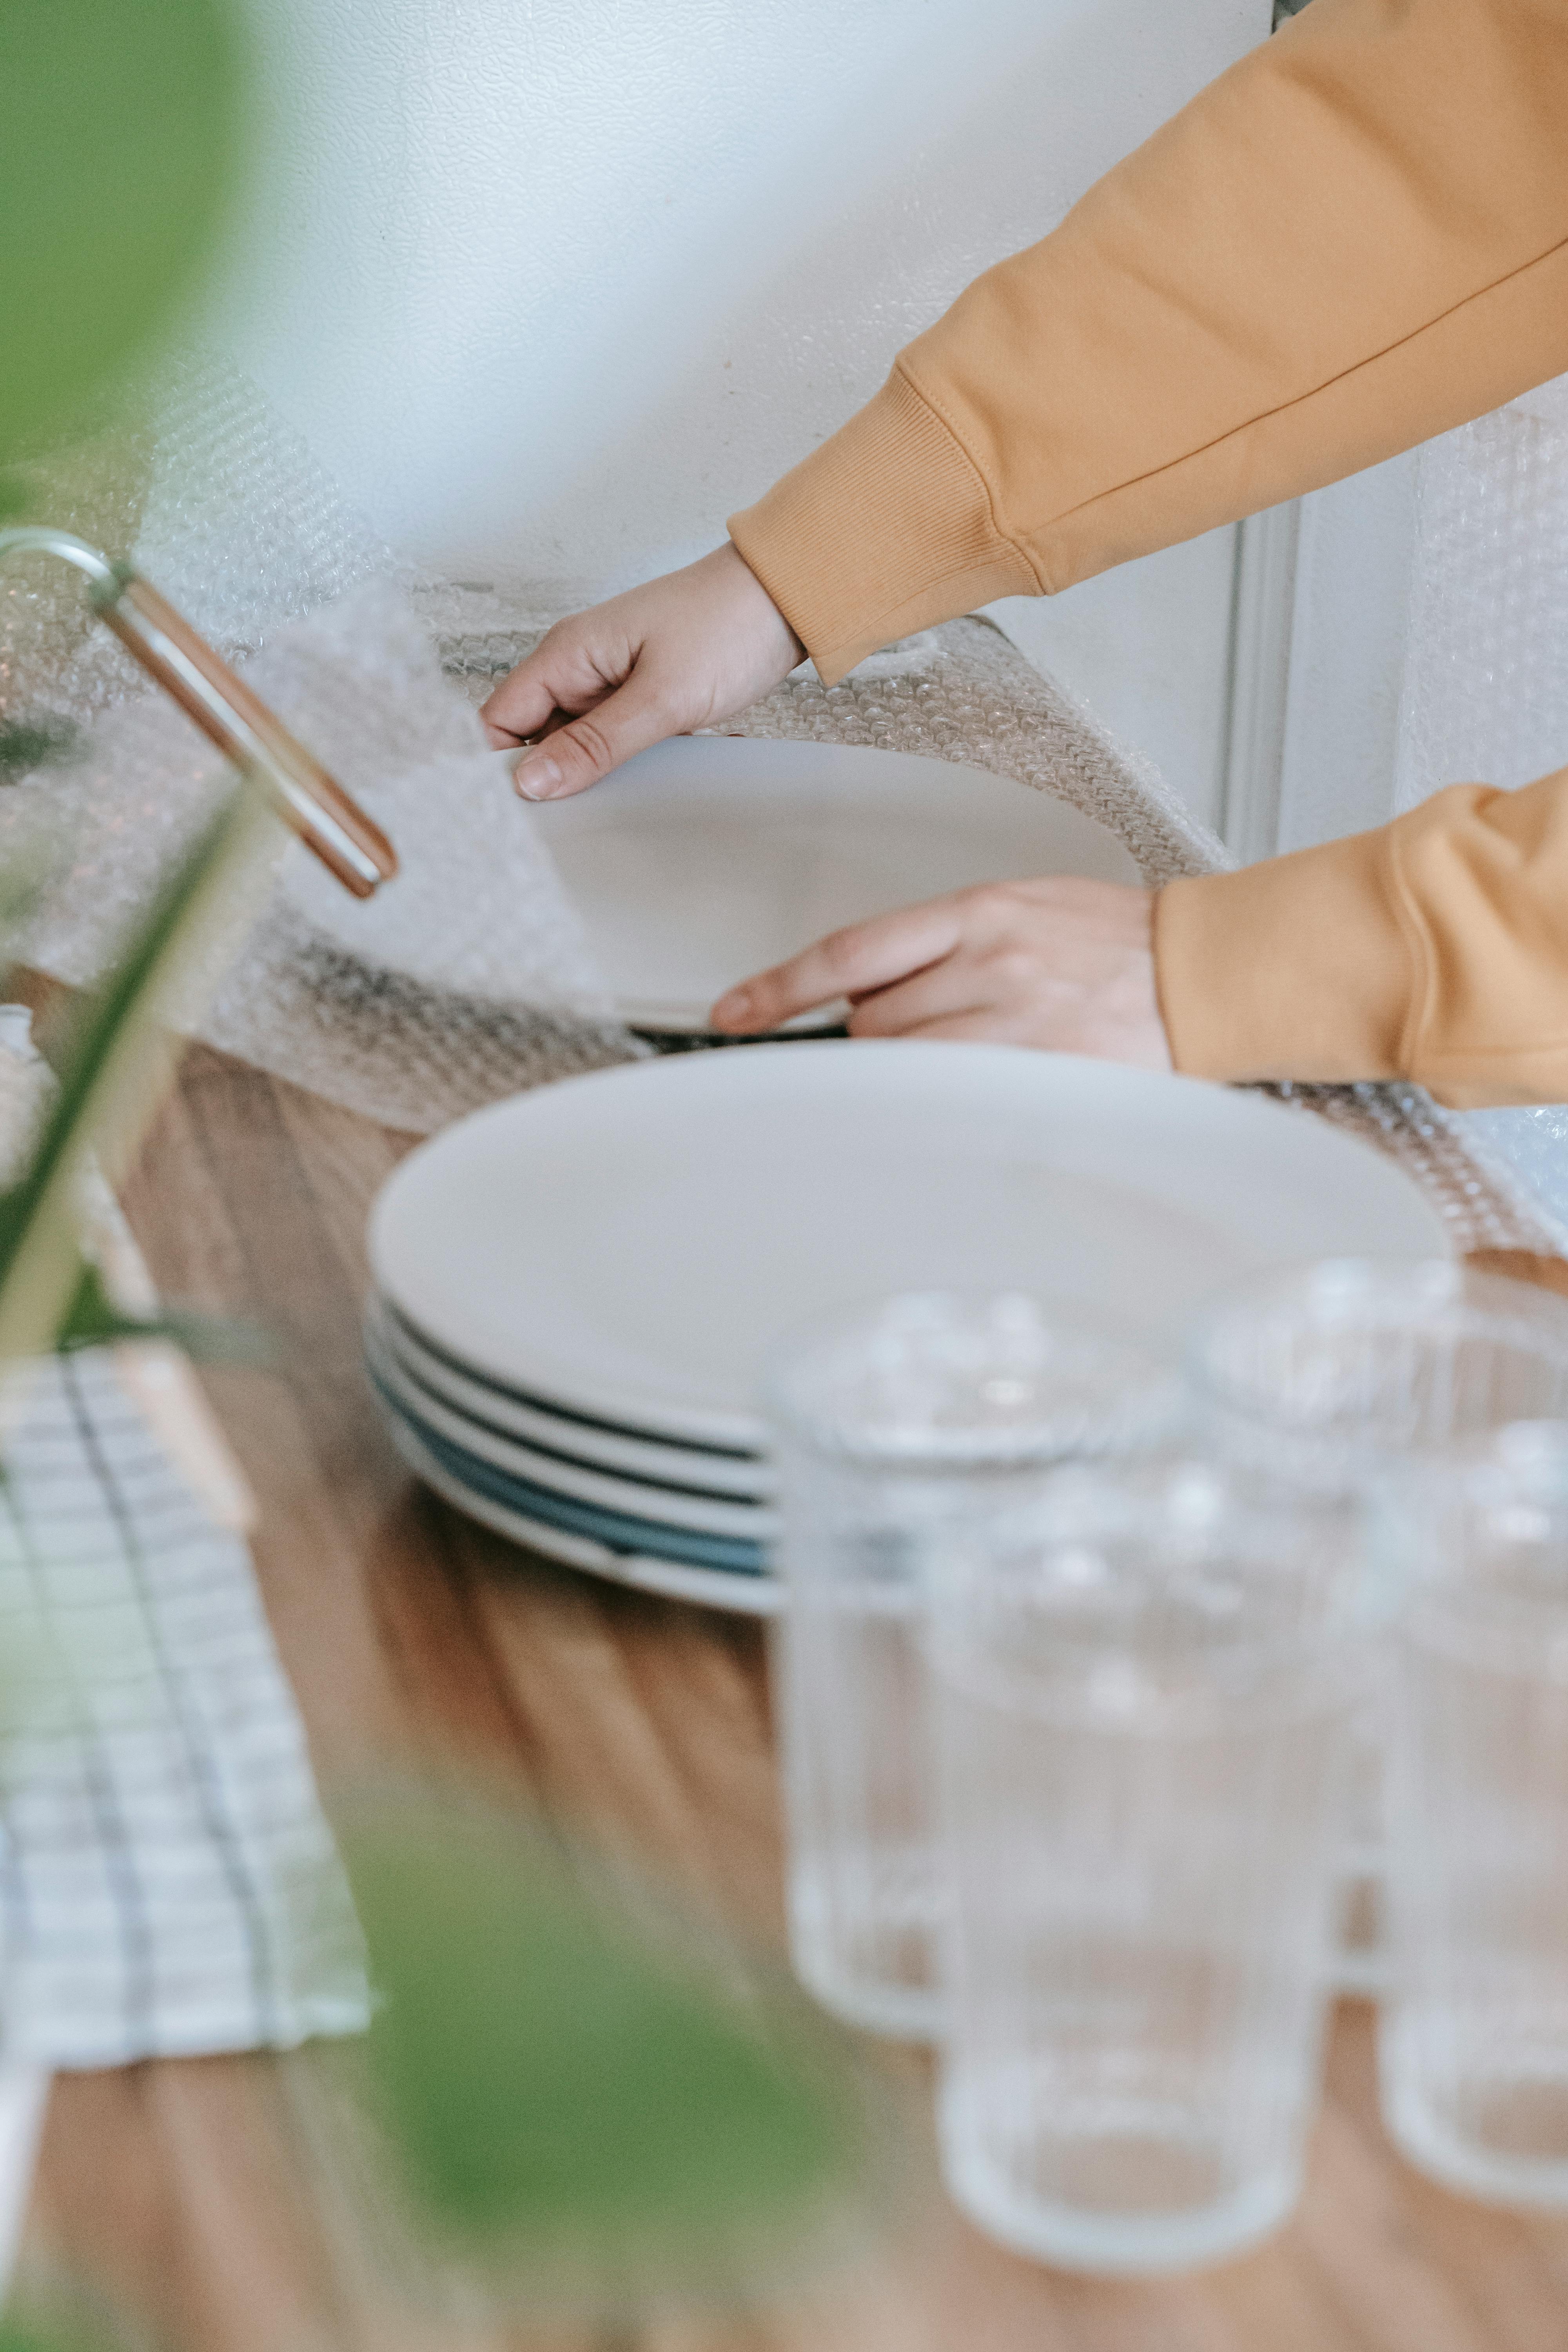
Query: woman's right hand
{"type": "Point", "coordinates": [682, 653]}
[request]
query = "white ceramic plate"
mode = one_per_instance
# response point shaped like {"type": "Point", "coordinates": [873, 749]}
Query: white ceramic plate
{"type": "Point", "coordinates": [711, 858]}
{"type": "Point", "coordinates": [604, 1489]}
{"type": "Point", "coordinates": [715, 1588]}
{"type": "Point", "coordinates": [587, 1444]}
{"type": "Point", "coordinates": [631, 1243]}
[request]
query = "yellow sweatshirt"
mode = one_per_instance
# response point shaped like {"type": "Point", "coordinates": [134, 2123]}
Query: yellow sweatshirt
{"type": "Point", "coordinates": [1355, 239]}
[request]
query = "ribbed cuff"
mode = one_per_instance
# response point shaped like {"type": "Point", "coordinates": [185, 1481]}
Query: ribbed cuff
{"type": "Point", "coordinates": [1297, 968]}
{"type": "Point", "coordinates": [885, 530]}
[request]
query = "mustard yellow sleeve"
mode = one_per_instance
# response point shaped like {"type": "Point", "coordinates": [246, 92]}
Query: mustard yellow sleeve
{"type": "Point", "coordinates": [1356, 237]}
{"type": "Point", "coordinates": [1434, 949]}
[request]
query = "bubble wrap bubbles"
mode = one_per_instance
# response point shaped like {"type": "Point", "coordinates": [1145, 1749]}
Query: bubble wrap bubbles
{"type": "Point", "coordinates": [221, 505]}
{"type": "Point", "coordinates": [55, 661]}
{"type": "Point", "coordinates": [475, 982]}
{"type": "Point", "coordinates": [241, 529]}
{"type": "Point", "coordinates": [1486, 684]}
{"type": "Point", "coordinates": [467, 978]}
{"type": "Point", "coordinates": [963, 692]}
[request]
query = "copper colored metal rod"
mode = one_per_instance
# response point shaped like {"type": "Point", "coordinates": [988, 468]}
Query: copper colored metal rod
{"type": "Point", "coordinates": [225, 708]}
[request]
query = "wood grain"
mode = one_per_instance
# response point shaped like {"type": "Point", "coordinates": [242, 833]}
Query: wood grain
{"type": "Point", "coordinates": [175, 2193]}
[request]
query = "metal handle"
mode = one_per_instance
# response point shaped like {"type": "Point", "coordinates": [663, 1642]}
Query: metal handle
{"type": "Point", "coordinates": [307, 799]}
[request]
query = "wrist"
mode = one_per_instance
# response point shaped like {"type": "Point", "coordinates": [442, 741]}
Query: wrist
{"type": "Point", "coordinates": [744, 583]}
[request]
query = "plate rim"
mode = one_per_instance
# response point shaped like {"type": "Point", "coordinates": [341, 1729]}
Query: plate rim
{"type": "Point", "coordinates": [729, 1590]}
{"type": "Point", "coordinates": [575, 1416]}
{"type": "Point", "coordinates": [640, 1501]}
{"type": "Point", "coordinates": [724, 1428]}
{"type": "Point", "coordinates": [486, 1472]}
{"type": "Point", "coordinates": [684, 1467]}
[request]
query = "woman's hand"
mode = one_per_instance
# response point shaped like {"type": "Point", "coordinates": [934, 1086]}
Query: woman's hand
{"type": "Point", "coordinates": [682, 653]}
{"type": "Point", "coordinates": [1059, 963]}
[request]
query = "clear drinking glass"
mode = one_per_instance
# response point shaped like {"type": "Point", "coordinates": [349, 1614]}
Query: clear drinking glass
{"type": "Point", "coordinates": [1474, 2036]}
{"type": "Point", "coordinates": [1337, 1369]}
{"type": "Point", "coordinates": [1145, 1681]}
{"type": "Point", "coordinates": [883, 1428]}
{"type": "Point", "coordinates": [1331, 1374]}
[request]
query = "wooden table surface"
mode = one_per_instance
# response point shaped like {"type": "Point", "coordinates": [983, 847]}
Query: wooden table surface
{"type": "Point", "coordinates": [173, 2190]}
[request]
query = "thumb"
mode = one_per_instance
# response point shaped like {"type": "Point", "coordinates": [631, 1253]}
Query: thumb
{"type": "Point", "coordinates": [576, 755]}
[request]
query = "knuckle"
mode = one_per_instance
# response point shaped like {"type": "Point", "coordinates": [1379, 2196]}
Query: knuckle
{"type": "Point", "coordinates": [1013, 964]}
{"type": "Point", "coordinates": [588, 737]}
{"type": "Point", "coordinates": [986, 902]}
{"type": "Point", "coordinates": [837, 951]}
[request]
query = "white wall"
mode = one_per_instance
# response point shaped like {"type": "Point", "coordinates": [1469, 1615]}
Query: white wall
{"type": "Point", "coordinates": [555, 285]}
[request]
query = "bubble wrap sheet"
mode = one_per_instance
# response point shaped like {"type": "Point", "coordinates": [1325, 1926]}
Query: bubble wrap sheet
{"type": "Point", "coordinates": [482, 982]}
{"type": "Point", "coordinates": [467, 978]}
{"type": "Point", "coordinates": [1486, 683]}
{"type": "Point", "coordinates": [964, 692]}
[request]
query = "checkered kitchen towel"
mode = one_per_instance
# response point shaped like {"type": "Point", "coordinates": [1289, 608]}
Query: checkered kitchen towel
{"type": "Point", "coordinates": [168, 1883]}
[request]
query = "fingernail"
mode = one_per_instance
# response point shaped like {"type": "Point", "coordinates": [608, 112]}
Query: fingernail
{"type": "Point", "coordinates": [536, 777]}
{"type": "Point", "coordinates": [734, 1007]}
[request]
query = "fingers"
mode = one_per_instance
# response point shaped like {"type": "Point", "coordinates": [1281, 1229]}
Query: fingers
{"type": "Point", "coordinates": [679, 652]}
{"type": "Point", "coordinates": [501, 739]}
{"type": "Point", "coordinates": [578, 751]}
{"type": "Point", "coordinates": [1063, 965]}
{"type": "Point", "coordinates": [982, 1027]}
{"type": "Point", "coordinates": [848, 963]}
{"type": "Point", "coordinates": [552, 674]}
{"type": "Point", "coordinates": [954, 987]}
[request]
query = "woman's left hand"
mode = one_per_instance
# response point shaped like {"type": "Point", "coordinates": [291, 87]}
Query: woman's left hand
{"type": "Point", "coordinates": [1059, 963]}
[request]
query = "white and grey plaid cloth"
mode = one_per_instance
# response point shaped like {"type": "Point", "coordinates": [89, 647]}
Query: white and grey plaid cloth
{"type": "Point", "coordinates": [168, 1883]}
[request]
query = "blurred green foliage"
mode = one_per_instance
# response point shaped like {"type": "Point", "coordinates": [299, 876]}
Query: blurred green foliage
{"type": "Point", "coordinates": [20, 2332]}
{"type": "Point", "coordinates": [24, 748]}
{"type": "Point", "coordinates": [556, 2080]}
{"type": "Point", "coordinates": [119, 121]}
{"type": "Point", "coordinates": [93, 1320]}
{"type": "Point", "coordinates": [551, 2080]}
{"type": "Point", "coordinates": [112, 1068]}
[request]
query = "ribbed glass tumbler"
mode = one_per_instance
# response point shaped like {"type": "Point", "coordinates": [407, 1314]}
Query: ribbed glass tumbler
{"type": "Point", "coordinates": [1336, 1373]}
{"type": "Point", "coordinates": [884, 1430]}
{"type": "Point", "coordinates": [1338, 1368]}
{"type": "Point", "coordinates": [1144, 1681]}
{"type": "Point", "coordinates": [1474, 2034]}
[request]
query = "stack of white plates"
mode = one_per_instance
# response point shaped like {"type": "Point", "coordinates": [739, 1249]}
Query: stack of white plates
{"type": "Point", "coordinates": [575, 1290]}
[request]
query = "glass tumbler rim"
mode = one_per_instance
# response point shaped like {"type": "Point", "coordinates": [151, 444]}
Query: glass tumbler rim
{"type": "Point", "coordinates": [1501, 1488]}
{"type": "Point", "coordinates": [1377, 1294]}
{"type": "Point", "coordinates": [1119, 1395]}
{"type": "Point", "coordinates": [1033, 1607]}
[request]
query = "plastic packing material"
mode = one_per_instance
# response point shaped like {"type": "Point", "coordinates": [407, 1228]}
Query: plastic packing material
{"type": "Point", "coordinates": [476, 981]}
{"type": "Point", "coordinates": [465, 978]}
{"type": "Point", "coordinates": [962, 692]}
{"type": "Point", "coordinates": [1486, 680]}
{"type": "Point", "coordinates": [222, 507]}
{"type": "Point", "coordinates": [469, 975]}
